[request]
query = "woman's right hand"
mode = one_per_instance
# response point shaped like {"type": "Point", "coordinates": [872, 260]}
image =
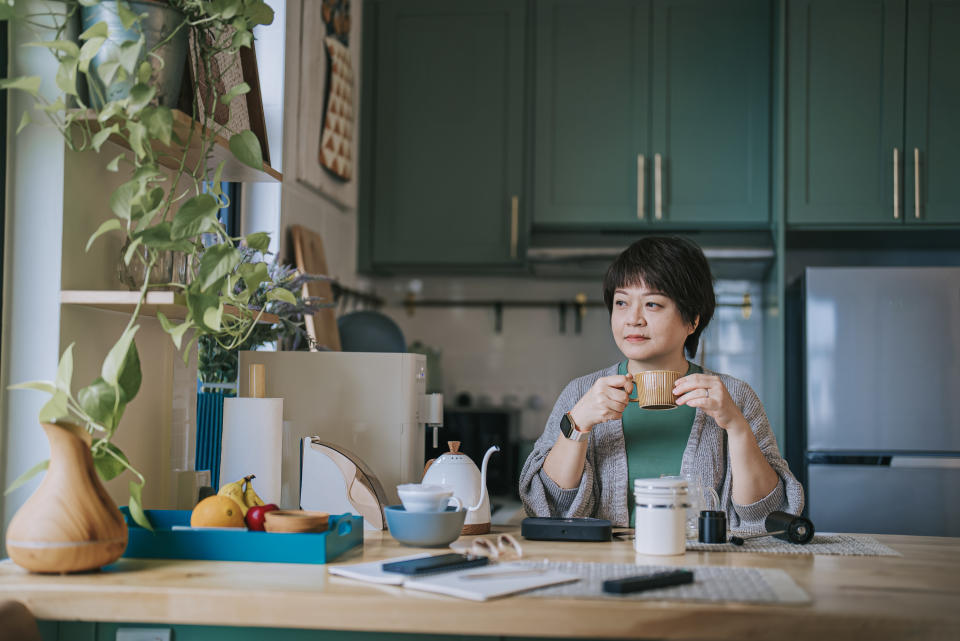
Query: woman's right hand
{"type": "Point", "coordinates": [604, 401]}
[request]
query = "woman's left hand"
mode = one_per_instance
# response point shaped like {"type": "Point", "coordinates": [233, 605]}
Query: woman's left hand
{"type": "Point", "coordinates": [709, 394]}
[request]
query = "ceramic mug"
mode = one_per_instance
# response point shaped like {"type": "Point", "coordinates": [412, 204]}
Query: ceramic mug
{"type": "Point", "coordinates": [419, 497]}
{"type": "Point", "coordinates": [655, 389]}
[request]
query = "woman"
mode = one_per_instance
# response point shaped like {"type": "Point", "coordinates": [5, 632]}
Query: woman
{"type": "Point", "coordinates": [659, 293]}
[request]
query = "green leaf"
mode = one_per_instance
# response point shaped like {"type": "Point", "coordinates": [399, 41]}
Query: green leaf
{"type": "Point", "coordinates": [66, 46]}
{"type": "Point", "coordinates": [122, 198]}
{"type": "Point", "coordinates": [198, 302]}
{"type": "Point", "coordinates": [114, 165]}
{"type": "Point", "coordinates": [241, 38]}
{"type": "Point", "coordinates": [101, 136]}
{"type": "Point", "coordinates": [176, 331]}
{"type": "Point", "coordinates": [99, 30]}
{"type": "Point", "coordinates": [253, 275]}
{"type": "Point", "coordinates": [108, 466]}
{"type": "Point", "coordinates": [217, 261]}
{"type": "Point", "coordinates": [136, 506]}
{"type": "Point", "coordinates": [213, 316]}
{"type": "Point", "coordinates": [197, 215]}
{"type": "Point", "coordinates": [185, 354]}
{"type": "Point", "coordinates": [138, 135]}
{"type": "Point", "coordinates": [26, 476]}
{"type": "Point", "coordinates": [109, 110]}
{"type": "Point", "coordinates": [40, 386]}
{"type": "Point", "coordinates": [159, 122]}
{"type": "Point", "coordinates": [158, 237]}
{"type": "Point", "coordinates": [259, 13]}
{"type": "Point", "coordinates": [67, 76]}
{"type": "Point", "coordinates": [107, 71]}
{"type": "Point", "coordinates": [281, 294]}
{"type": "Point", "coordinates": [30, 84]}
{"type": "Point", "coordinates": [24, 120]}
{"type": "Point", "coordinates": [259, 241]}
{"type": "Point", "coordinates": [144, 71]}
{"type": "Point", "coordinates": [129, 55]}
{"type": "Point", "coordinates": [246, 148]}
{"type": "Point", "coordinates": [88, 51]}
{"type": "Point", "coordinates": [117, 358]}
{"type": "Point", "coordinates": [237, 90]}
{"type": "Point", "coordinates": [140, 96]}
{"type": "Point", "coordinates": [131, 251]}
{"type": "Point", "coordinates": [147, 203]}
{"type": "Point", "coordinates": [55, 409]}
{"type": "Point", "coordinates": [127, 17]}
{"type": "Point", "coordinates": [112, 224]}
{"type": "Point", "coordinates": [98, 400]}
{"type": "Point", "coordinates": [216, 177]}
{"type": "Point", "coordinates": [65, 369]}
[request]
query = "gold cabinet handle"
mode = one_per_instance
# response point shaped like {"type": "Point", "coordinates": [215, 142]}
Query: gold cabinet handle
{"type": "Point", "coordinates": [916, 182]}
{"type": "Point", "coordinates": [641, 174]}
{"type": "Point", "coordinates": [658, 186]}
{"type": "Point", "coordinates": [896, 184]}
{"type": "Point", "coordinates": [514, 225]}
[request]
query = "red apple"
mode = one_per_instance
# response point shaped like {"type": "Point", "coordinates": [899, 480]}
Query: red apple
{"type": "Point", "coordinates": [257, 514]}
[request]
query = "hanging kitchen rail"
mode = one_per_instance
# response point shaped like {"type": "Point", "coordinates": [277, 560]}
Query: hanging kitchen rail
{"type": "Point", "coordinates": [344, 296]}
{"type": "Point", "coordinates": [579, 305]}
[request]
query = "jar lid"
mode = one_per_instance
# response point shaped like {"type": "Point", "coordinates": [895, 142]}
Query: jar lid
{"type": "Point", "coordinates": [665, 485]}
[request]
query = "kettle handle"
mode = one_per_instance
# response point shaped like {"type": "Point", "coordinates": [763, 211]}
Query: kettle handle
{"type": "Point", "coordinates": [427, 467]}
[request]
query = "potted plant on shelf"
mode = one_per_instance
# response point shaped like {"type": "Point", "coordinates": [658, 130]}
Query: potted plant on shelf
{"type": "Point", "coordinates": [70, 523]}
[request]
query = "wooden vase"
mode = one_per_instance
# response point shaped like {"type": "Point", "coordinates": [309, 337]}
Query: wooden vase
{"type": "Point", "coordinates": [70, 524]}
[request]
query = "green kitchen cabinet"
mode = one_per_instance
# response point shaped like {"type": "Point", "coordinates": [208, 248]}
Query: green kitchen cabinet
{"type": "Point", "coordinates": [874, 113]}
{"type": "Point", "coordinates": [932, 139]}
{"type": "Point", "coordinates": [652, 114]}
{"type": "Point", "coordinates": [443, 173]}
{"type": "Point", "coordinates": [845, 111]}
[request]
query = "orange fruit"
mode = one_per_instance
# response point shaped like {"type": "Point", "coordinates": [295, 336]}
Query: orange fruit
{"type": "Point", "coordinates": [217, 511]}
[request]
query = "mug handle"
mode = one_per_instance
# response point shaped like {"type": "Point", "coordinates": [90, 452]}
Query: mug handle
{"type": "Point", "coordinates": [457, 501]}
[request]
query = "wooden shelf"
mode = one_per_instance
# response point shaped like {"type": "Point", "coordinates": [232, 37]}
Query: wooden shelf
{"type": "Point", "coordinates": [170, 303]}
{"type": "Point", "coordinates": [233, 169]}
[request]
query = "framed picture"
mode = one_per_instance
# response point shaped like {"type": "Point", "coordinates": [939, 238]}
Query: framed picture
{"type": "Point", "coordinates": [328, 105]}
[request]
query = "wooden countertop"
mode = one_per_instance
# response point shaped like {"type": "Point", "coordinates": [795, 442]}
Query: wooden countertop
{"type": "Point", "coordinates": [916, 596]}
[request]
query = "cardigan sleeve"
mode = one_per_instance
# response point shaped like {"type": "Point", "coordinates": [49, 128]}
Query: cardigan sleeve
{"type": "Point", "coordinates": [541, 496]}
{"type": "Point", "coordinates": [787, 495]}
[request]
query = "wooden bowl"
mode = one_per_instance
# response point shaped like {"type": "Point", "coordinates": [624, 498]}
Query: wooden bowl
{"type": "Point", "coordinates": [295, 521]}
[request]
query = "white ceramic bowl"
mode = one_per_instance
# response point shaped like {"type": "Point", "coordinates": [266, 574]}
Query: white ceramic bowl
{"type": "Point", "coordinates": [418, 497]}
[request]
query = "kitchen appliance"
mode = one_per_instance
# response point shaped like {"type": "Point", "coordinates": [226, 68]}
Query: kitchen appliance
{"type": "Point", "coordinates": [456, 471]}
{"type": "Point", "coordinates": [874, 417]}
{"type": "Point", "coordinates": [334, 480]}
{"type": "Point", "coordinates": [372, 405]}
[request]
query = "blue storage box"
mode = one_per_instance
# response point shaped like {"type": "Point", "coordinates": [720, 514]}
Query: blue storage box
{"type": "Point", "coordinates": [343, 532]}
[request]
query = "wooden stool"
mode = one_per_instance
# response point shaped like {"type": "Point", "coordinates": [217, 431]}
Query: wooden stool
{"type": "Point", "coordinates": [16, 623]}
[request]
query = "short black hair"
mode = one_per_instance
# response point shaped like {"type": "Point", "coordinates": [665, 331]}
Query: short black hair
{"type": "Point", "coordinates": [674, 266]}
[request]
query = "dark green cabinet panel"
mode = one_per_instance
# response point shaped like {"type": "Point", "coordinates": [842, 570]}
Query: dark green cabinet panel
{"type": "Point", "coordinates": [447, 128]}
{"type": "Point", "coordinates": [711, 111]}
{"type": "Point", "coordinates": [636, 97]}
{"type": "Point", "coordinates": [845, 111]}
{"type": "Point", "coordinates": [933, 112]}
{"type": "Point", "coordinates": [591, 110]}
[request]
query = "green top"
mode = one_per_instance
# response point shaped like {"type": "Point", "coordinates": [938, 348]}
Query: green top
{"type": "Point", "coordinates": [655, 439]}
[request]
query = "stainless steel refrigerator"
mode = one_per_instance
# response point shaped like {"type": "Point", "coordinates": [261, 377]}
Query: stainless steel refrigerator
{"type": "Point", "coordinates": [881, 399]}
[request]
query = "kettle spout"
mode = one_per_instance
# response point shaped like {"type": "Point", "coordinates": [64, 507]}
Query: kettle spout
{"type": "Point", "coordinates": [483, 477]}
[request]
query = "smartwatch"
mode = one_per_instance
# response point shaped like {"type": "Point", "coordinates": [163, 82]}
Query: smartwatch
{"type": "Point", "coordinates": [569, 429]}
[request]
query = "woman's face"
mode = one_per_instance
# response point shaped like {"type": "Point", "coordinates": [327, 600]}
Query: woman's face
{"type": "Point", "coordinates": [647, 325]}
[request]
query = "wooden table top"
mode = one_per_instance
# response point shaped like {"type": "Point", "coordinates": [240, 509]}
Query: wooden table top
{"type": "Point", "coordinates": [915, 596]}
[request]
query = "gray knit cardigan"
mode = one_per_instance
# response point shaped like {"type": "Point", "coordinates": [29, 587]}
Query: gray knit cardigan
{"type": "Point", "coordinates": [603, 487]}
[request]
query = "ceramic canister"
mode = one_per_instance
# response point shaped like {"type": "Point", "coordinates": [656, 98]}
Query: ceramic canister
{"type": "Point", "coordinates": [660, 516]}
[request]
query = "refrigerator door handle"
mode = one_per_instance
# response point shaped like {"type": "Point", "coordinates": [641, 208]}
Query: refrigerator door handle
{"type": "Point", "coordinates": [942, 462]}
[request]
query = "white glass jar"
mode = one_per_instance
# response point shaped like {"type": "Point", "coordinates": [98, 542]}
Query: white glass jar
{"type": "Point", "coordinates": [660, 516]}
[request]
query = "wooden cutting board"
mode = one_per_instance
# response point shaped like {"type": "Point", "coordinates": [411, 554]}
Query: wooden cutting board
{"type": "Point", "coordinates": [310, 259]}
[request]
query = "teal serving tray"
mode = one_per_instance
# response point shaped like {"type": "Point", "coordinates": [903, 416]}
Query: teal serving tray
{"type": "Point", "coordinates": [344, 532]}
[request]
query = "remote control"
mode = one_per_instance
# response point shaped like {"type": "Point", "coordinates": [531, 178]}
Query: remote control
{"type": "Point", "coordinates": [647, 581]}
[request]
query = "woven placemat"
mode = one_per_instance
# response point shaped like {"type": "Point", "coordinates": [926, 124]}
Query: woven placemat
{"type": "Point", "coordinates": [711, 583]}
{"type": "Point", "coordinates": [835, 544]}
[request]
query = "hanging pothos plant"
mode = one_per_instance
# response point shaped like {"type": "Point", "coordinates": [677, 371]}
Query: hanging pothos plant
{"type": "Point", "coordinates": [155, 211]}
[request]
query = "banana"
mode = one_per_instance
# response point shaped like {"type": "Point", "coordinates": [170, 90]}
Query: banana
{"type": "Point", "coordinates": [235, 491]}
{"type": "Point", "coordinates": [250, 496]}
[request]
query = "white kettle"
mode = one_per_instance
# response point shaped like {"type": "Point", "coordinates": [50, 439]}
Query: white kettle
{"type": "Point", "coordinates": [455, 470]}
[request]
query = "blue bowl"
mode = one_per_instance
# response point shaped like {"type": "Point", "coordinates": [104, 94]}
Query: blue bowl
{"type": "Point", "coordinates": [424, 529]}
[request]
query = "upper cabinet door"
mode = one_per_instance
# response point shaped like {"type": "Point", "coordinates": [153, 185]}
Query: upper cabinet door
{"type": "Point", "coordinates": [591, 111]}
{"type": "Point", "coordinates": [845, 112]}
{"type": "Point", "coordinates": [933, 112]}
{"type": "Point", "coordinates": [448, 117]}
{"type": "Point", "coordinates": [710, 155]}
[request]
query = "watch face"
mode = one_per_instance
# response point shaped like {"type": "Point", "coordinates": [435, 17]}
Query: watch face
{"type": "Point", "coordinates": [566, 427]}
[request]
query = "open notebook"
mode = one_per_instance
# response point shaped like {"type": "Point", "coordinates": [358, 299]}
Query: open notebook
{"type": "Point", "coordinates": [477, 584]}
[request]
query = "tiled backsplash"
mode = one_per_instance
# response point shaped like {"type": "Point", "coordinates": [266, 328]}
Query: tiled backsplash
{"type": "Point", "coordinates": [529, 362]}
